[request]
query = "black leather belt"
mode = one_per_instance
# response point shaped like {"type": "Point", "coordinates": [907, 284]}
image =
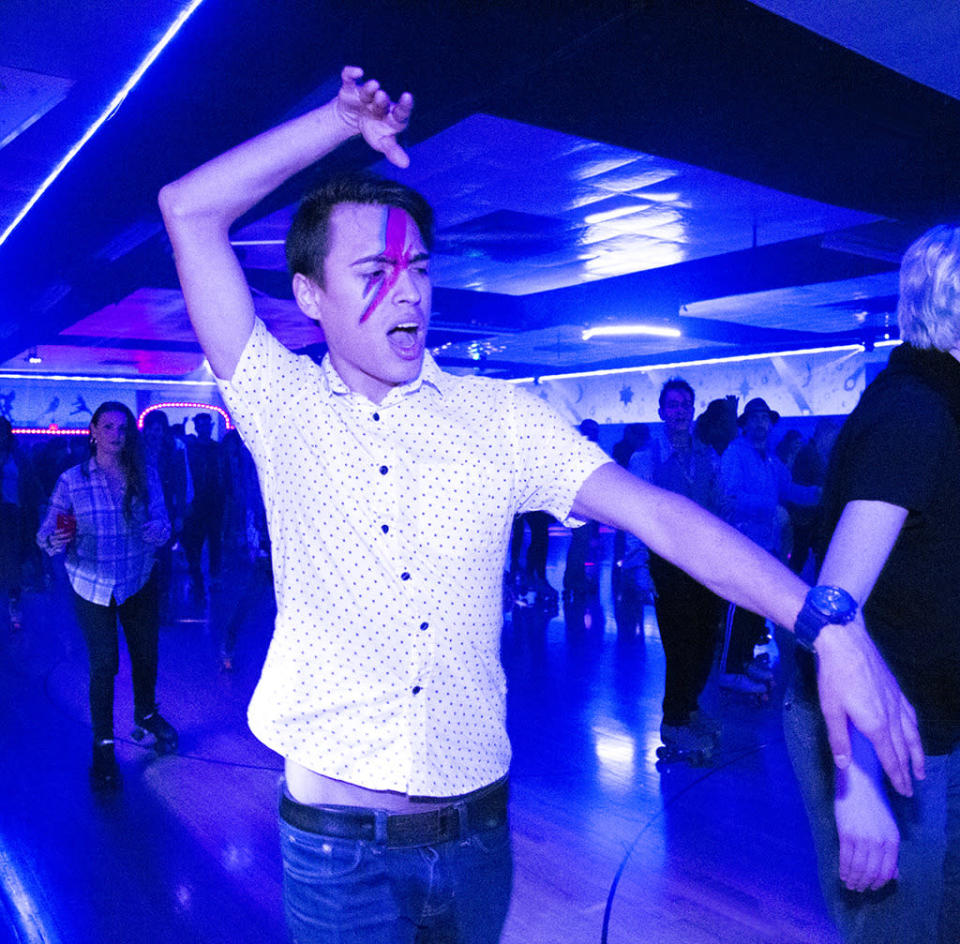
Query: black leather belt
{"type": "Point", "coordinates": [484, 809]}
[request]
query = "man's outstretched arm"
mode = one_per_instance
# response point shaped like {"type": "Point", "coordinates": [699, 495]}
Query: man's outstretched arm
{"type": "Point", "coordinates": [855, 683]}
{"type": "Point", "coordinates": [199, 208]}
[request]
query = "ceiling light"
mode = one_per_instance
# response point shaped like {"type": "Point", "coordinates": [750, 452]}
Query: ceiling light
{"type": "Point", "coordinates": [618, 331]}
{"type": "Point", "coordinates": [33, 357]}
{"type": "Point", "coordinates": [115, 103]}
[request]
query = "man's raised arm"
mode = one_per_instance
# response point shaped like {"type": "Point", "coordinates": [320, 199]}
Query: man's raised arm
{"type": "Point", "coordinates": [199, 208]}
{"type": "Point", "coordinates": [855, 684]}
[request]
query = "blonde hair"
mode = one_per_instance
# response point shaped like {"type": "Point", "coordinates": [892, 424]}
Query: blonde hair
{"type": "Point", "coordinates": [929, 306]}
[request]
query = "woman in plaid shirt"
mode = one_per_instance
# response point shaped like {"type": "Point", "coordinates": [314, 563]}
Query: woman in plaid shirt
{"type": "Point", "coordinates": [108, 513]}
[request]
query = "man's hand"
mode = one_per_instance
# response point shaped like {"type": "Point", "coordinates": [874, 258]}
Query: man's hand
{"type": "Point", "coordinates": [855, 685]}
{"type": "Point", "coordinates": [367, 109]}
{"type": "Point", "coordinates": [868, 834]}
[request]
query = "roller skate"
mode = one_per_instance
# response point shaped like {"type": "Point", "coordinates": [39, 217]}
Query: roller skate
{"type": "Point", "coordinates": [706, 724]}
{"type": "Point", "coordinates": [740, 684]}
{"type": "Point", "coordinates": [164, 733]}
{"type": "Point", "coordinates": [761, 672]}
{"type": "Point", "coordinates": [682, 743]}
{"type": "Point", "coordinates": [104, 773]}
{"type": "Point", "coordinates": [545, 597]}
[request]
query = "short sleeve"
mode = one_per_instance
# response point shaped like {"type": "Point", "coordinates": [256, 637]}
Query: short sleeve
{"type": "Point", "coordinates": [268, 382]}
{"type": "Point", "coordinates": [553, 459]}
{"type": "Point", "coordinates": [897, 455]}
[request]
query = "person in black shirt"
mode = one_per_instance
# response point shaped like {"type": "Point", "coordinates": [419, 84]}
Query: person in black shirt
{"type": "Point", "coordinates": [204, 520]}
{"type": "Point", "coordinates": [890, 865]}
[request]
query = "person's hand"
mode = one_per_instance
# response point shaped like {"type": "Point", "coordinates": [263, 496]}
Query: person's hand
{"type": "Point", "coordinates": [58, 540]}
{"type": "Point", "coordinates": [855, 685]}
{"type": "Point", "coordinates": [155, 532]}
{"type": "Point", "coordinates": [367, 109]}
{"type": "Point", "coordinates": [868, 834]}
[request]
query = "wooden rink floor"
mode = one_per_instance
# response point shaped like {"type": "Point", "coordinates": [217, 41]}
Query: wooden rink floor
{"type": "Point", "coordinates": [608, 850]}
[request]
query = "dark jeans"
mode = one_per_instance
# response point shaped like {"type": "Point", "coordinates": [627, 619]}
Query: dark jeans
{"type": "Point", "coordinates": [355, 891]}
{"type": "Point", "coordinates": [687, 614]}
{"type": "Point", "coordinates": [743, 635]}
{"type": "Point", "coordinates": [138, 616]}
{"type": "Point", "coordinates": [923, 905]}
{"type": "Point", "coordinates": [539, 524]}
{"type": "Point", "coordinates": [579, 575]}
{"type": "Point", "coordinates": [204, 522]}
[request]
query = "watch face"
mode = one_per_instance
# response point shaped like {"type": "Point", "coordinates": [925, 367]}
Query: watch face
{"type": "Point", "coordinates": [834, 603]}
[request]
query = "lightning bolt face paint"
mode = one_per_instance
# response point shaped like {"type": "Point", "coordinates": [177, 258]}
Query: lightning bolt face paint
{"type": "Point", "coordinates": [397, 256]}
{"type": "Point", "coordinates": [374, 304]}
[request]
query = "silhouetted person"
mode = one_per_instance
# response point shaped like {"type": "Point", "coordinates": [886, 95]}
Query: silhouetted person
{"type": "Point", "coordinates": [579, 574]}
{"type": "Point", "coordinates": [166, 456]}
{"type": "Point", "coordinates": [204, 520]}
{"type": "Point", "coordinates": [717, 424]}
{"type": "Point", "coordinates": [753, 483]}
{"type": "Point", "coordinates": [810, 468]}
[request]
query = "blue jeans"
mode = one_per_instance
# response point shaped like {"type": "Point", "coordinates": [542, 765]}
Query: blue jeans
{"type": "Point", "coordinates": [354, 891]}
{"type": "Point", "coordinates": [923, 905]}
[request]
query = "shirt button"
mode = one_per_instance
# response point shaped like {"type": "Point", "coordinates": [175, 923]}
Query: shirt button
{"type": "Point", "coordinates": [376, 417]}
{"type": "Point", "coordinates": [416, 689]}
{"type": "Point", "coordinates": [424, 625]}
{"type": "Point", "coordinates": [384, 528]}
{"type": "Point", "coordinates": [384, 470]}
{"type": "Point", "coordinates": [404, 576]}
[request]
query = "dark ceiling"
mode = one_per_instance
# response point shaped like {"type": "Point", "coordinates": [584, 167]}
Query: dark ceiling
{"type": "Point", "coordinates": [726, 87]}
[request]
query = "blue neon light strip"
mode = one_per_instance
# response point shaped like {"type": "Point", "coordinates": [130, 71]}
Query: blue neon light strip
{"type": "Point", "coordinates": [115, 103]}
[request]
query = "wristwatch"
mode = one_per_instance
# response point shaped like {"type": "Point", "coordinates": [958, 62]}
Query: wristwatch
{"type": "Point", "coordinates": [823, 605]}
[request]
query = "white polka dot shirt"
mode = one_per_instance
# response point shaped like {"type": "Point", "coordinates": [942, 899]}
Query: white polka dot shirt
{"type": "Point", "coordinates": [390, 524]}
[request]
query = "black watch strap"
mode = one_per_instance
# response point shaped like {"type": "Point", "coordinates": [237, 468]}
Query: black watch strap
{"type": "Point", "coordinates": [824, 604]}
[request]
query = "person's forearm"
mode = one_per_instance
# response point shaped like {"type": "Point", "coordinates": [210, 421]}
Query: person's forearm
{"type": "Point", "coordinates": [220, 191]}
{"type": "Point", "coordinates": [683, 533]}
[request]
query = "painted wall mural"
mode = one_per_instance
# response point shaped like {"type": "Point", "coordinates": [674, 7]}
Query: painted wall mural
{"type": "Point", "coordinates": [796, 386]}
{"type": "Point", "coordinates": [827, 384]}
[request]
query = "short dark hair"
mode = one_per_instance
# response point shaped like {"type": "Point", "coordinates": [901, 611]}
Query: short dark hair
{"type": "Point", "coordinates": [308, 240]}
{"type": "Point", "coordinates": [156, 418]}
{"type": "Point", "coordinates": [676, 383]}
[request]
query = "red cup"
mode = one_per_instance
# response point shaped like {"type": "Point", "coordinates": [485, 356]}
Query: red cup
{"type": "Point", "coordinates": [67, 523]}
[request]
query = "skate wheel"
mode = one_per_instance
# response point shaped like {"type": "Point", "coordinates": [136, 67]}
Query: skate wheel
{"type": "Point", "coordinates": [138, 733]}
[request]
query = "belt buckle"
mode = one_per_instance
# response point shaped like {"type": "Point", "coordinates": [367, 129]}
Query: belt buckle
{"type": "Point", "coordinates": [427, 828]}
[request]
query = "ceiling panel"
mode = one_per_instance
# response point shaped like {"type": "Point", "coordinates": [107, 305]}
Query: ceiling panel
{"type": "Point", "coordinates": [918, 38]}
{"type": "Point", "coordinates": [829, 307]}
{"type": "Point", "coordinates": [572, 210]}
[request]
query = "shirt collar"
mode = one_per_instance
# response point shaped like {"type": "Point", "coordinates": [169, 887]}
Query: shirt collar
{"type": "Point", "coordinates": [430, 375]}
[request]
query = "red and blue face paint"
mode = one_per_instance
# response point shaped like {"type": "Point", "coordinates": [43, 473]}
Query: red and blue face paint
{"type": "Point", "coordinates": [395, 256]}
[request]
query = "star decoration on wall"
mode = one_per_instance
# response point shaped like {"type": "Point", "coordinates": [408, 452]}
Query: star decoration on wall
{"type": "Point", "coordinates": [626, 395]}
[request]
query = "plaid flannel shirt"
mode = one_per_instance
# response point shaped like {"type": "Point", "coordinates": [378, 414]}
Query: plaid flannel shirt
{"type": "Point", "coordinates": [108, 559]}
